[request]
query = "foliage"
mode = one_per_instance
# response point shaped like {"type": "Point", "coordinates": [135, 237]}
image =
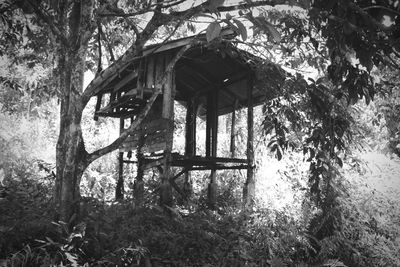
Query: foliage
{"type": "Point", "coordinates": [25, 206]}
{"type": "Point", "coordinates": [118, 233]}
{"type": "Point", "coordinates": [148, 235]}
{"type": "Point", "coordinates": [346, 42]}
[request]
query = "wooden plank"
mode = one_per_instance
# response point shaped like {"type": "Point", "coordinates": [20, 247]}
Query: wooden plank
{"type": "Point", "coordinates": [155, 139]}
{"type": "Point", "coordinates": [153, 163]}
{"type": "Point", "coordinates": [157, 124]}
{"type": "Point", "coordinates": [221, 167]}
{"type": "Point", "coordinates": [154, 134]}
{"type": "Point", "coordinates": [130, 161]}
{"type": "Point", "coordinates": [210, 159]}
{"type": "Point", "coordinates": [151, 144]}
{"type": "Point", "coordinates": [135, 91]}
{"type": "Point", "coordinates": [181, 161]}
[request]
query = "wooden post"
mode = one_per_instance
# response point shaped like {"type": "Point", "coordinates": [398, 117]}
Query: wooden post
{"type": "Point", "coordinates": [233, 130]}
{"type": "Point", "coordinates": [167, 113]}
{"type": "Point", "coordinates": [209, 119]}
{"type": "Point", "coordinates": [119, 189]}
{"type": "Point", "coordinates": [249, 186]}
{"type": "Point", "coordinates": [138, 186]}
{"type": "Point", "coordinates": [190, 134]}
{"type": "Point", "coordinates": [190, 141]}
{"type": "Point", "coordinates": [211, 143]}
{"type": "Point", "coordinates": [141, 77]}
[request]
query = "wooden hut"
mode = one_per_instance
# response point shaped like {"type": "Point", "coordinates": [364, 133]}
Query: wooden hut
{"type": "Point", "coordinates": [210, 80]}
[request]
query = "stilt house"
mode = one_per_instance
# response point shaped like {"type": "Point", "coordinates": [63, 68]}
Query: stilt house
{"type": "Point", "coordinates": [210, 80]}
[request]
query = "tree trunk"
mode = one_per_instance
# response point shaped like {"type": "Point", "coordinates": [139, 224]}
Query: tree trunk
{"type": "Point", "coordinates": [71, 156]}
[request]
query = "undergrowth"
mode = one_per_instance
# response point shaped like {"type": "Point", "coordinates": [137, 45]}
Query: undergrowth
{"type": "Point", "coordinates": [120, 234]}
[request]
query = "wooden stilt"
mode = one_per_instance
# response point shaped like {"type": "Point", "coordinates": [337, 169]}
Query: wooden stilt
{"type": "Point", "coordinates": [190, 142]}
{"type": "Point", "coordinates": [138, 186]}
{"type": "Point", "coordinates": [167, 113]}
{"type": "Point", "coordinates": [233, 130]}
{"type": "Point", "coordinates": [249, 186]}
{"type": "Point", "coordinates": [209, 119]}
{"type": "Point", "coordinates": [141, 78]}
{"type": "Point", "coordinates": [211, 143]}
{"type": "Point", "coordinates": [119, 189]}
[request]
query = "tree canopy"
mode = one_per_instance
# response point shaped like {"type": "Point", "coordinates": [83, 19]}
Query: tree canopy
{"type": "Point", "coordinates": [335, 54]}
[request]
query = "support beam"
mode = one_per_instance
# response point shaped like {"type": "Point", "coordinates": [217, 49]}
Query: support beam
{"type": "Point", "coordinates": [141, 77]}
{"type": "Point", "coordinates": [211, 143]}
{"type": "Point", "coordinates": [138, 186]}
{"type": "Point", "coordinates": [119, 189]}
{"type": "Point", "coordinates": [167, 113]}
{"type": "Point", "coordinates": [190, 142]}
{"type": "Point", "coordinates": [233, 130]}
{"type": "Point", "coordinates": [190, 134]}
{"type": "Point", "coordinates": [221, 167]}
{"type": "Point", "coordinates": [249, 186]}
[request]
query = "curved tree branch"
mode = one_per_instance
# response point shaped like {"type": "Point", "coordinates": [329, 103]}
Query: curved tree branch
{"type": "Point", "coordinates": [138, 120]}
{"type": "Point", "coordinates": [369, 18]}
{"type": "Point", "coordinates": [117, 142]}
{"type": "Point", "coordinates": [395, 12]}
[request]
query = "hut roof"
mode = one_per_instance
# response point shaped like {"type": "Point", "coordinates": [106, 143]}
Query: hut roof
{"type": "Point", "coordinates": [208, 66]}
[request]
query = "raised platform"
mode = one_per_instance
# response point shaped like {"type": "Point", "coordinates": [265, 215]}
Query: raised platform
{"type": "Point", "coordinates": [195, 162]}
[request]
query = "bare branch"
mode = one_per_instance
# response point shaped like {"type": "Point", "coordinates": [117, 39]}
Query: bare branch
{"type": "Point", "coordinates": [99, 65]}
